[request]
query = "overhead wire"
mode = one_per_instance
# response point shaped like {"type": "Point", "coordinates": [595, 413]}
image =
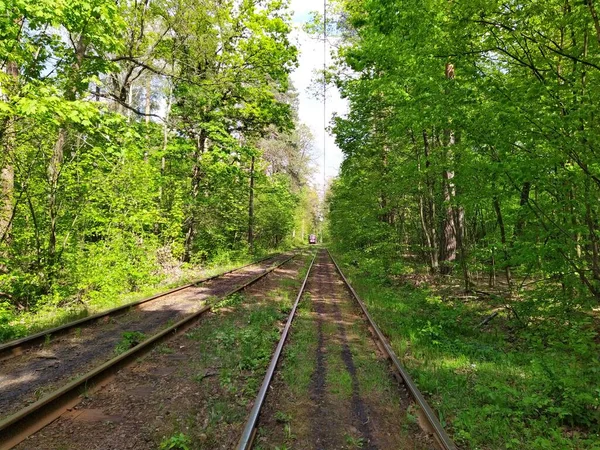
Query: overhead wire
{"type": "Point", "coordinates": [324, 94]}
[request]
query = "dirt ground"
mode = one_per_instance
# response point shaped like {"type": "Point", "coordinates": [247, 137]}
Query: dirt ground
{"type": "Point", "coordinates": [197, 388]}
{"type": "Point", "coordinates": [26, 378]}
{"type": "Point", "coordinates": [333, 388]}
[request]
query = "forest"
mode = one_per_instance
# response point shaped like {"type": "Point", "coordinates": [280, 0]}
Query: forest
{"type": "Point", "coordinates": [141, 136]}
{"type": "Point", "coordinates": [144, 139]}
{"type": "Point", "coordinates": [472, 167]}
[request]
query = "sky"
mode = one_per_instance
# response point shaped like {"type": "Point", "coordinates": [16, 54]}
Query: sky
{"type": "Point", "coordinates": [310, 108]}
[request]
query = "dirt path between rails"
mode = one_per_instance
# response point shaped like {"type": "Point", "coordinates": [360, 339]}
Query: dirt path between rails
{"type": "Point", "coordinates": [28, 377]}
{"type": "Point", "coordinates": [197, 387]}
{"type": "Point", "coordinates": [333, 389]}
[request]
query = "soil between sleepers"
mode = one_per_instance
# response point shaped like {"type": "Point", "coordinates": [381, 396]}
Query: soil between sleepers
{"type": "Point", "coordinates": [333, 389]}
{"type": "Point", "coordinates": [196, 388]}
{"type": "Point", "coordinates": [28, 377]}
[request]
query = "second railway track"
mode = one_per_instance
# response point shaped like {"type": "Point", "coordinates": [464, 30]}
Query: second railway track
{"type": "Point", "coordinates": [32, 384]}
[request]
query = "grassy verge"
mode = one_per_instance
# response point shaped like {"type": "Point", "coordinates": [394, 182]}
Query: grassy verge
{"type": "Point", "coordinates": [14, 325]}
{"type": "Point", "coordinates": [501, 386]}
{"type": "Point", "coordinates": [298, 363]}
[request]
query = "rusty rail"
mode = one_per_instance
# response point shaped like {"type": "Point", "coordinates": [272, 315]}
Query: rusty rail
{"type": "Point", "coordinates": [440, 435]}
{"type": "Point", "coordinates": [17, 427]}
{"type": "Point", "coordinates": [433, 424]}
{"type": "Point", "coordinates": [16, 347]}
{"type": "Point", "coordinates": [249, 432]}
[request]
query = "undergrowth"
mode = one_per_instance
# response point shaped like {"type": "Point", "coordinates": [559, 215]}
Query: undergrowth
{"type": "Point", "coordinates": [108, 292]}
{"type": "Point", "coordinates": [517, 383]}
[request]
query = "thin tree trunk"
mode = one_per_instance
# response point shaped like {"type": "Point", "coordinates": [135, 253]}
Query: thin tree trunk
{"type": "Point", "coordinates": [53, 177]}
{"type": "Point", "coordinates": [459, 226]}
{"type": "Point", "coordinates": [426, 234]}
{"type": "Point", "coordinates": [461, 231]}
{"type": "Point", "coordinates": [56, 161]}
{"type": "Point", "coordinates": [429, 206]}
{"type": "Point", "coordinates": [594, 14]}
{"type": "Point", "coordinates": [251, 209]}
{"type": "Point", "coordinates": [163, 161]}
{"type": "Point", "coordinates": [492, 280]}
{"type": "Point", "coordinates": [148, 106]}
{"type": "Point", "coordinates": [500, 221]}
{"type": "Point", "coordinates": [385, 215]}
{"type": "Point", "coordinates": [196, 179]}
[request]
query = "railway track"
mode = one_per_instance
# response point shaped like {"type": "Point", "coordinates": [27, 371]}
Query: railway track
{"type": "Point", "coordinates": [103, 330]}
{"type": "Point", "coordinates": [429, 422]}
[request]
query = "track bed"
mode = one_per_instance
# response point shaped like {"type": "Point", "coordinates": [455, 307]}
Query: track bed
{"type": "Point", "coordinates": [333, 388]}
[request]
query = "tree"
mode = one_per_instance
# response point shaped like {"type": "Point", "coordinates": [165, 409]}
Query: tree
{"type": "Point", "coordinates": [130, 133]}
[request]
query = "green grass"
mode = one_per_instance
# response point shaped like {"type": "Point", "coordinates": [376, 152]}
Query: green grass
{"type": "Point", "coordinates": [242, 349]}
{"type": "Point", "coordinates": [500, 387]}
{"type": "Point", "coordinates": [176, 442]}
{"type": "Point", "coordinates": [298, 362]}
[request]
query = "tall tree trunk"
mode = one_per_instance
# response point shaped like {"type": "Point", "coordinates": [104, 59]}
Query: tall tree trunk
{"type": "Point", "coordinates": [448, 235]}
{"type": "Point", "coordinates": [593, 234]}
{"type": "Point", "coordinates": [459, 226]}
{"type": "Point", "coordinates": [385, 215]}
{"type": "Point", "coordinates": [7, 171]}
{"type": "Point", "coordinates": [523, 203]}
{"type": "Point", "coordinates": [251, 209]}
{"type": "Point", "coordinates": [426, 211]}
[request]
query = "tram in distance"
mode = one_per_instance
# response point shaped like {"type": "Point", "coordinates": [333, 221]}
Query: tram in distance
{"type": "Point", "coordinates": [312, 239]}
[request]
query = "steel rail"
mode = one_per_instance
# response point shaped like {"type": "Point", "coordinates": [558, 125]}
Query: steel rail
{"type": "Point", "coordinates": [17, 427]}
{"type": "Point", "coordinates": [16, 347]}
{"type": "Point", "coordinates": [439, 433]}
{"type": "Point", "coordinates": [249, 432]}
